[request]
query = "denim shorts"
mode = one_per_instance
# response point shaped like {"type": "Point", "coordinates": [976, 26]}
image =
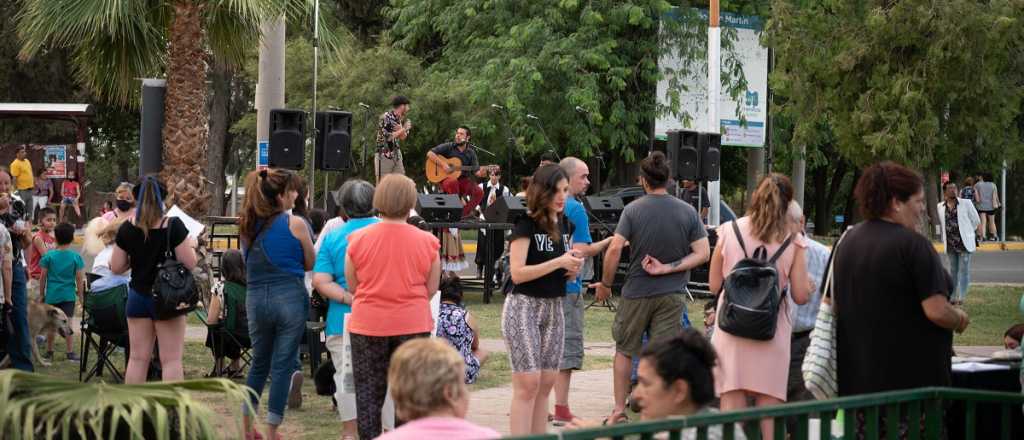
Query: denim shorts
{"type": "Point", "coordinates": [140, 305]}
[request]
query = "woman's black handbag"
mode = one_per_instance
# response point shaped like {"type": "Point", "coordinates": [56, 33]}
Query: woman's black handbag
{"type": "Point", "coordinates": [752, 295]}
{"type": "Point", "coordinates": [174, 292]}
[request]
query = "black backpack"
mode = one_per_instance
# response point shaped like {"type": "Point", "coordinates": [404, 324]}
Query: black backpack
{"type": "Point", "coordinates": [752, 297]}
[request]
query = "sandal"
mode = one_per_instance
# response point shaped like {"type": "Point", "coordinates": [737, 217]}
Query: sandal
{"type": "Point", "coordinates": [615, 419]}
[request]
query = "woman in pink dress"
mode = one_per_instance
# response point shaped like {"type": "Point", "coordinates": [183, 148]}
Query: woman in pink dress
{"type": "Point", "coordinates": [749, 368]}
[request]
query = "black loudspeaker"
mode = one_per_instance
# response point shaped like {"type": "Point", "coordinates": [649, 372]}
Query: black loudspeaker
{"type": "Point", "coordinates": [442, 208]}
{"type": "Point", "coordinates": [683, 154]}
{"type": "Point", "coordinates": [287, 139]}
{"type": "Point", "coordinates": [605, 209]}
{"type": "Point", "coordinates": [506, 209]}
{"type": "Point", "coordinates": [710, 153]}
{"type": "Point", "coordinates": [151, 126]}
{"type": "Point", "coordinates": [333, 141]}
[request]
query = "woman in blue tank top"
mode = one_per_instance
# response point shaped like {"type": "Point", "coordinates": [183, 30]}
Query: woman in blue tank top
{"type": "Point", "coordinates": [278, 252]}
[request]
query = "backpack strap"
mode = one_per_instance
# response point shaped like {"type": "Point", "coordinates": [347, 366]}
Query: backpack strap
{"type": "Point", "coordinates": [782, 249]}
{"type": "Point", "coordinates": [739, 238]}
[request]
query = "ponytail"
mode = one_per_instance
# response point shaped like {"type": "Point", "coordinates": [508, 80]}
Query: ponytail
{"type": "Point", "coordinates": [768, 208]}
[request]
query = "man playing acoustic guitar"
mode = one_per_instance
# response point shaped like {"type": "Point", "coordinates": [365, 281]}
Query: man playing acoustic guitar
{"type": "Point", "coordinates": [459, 182]}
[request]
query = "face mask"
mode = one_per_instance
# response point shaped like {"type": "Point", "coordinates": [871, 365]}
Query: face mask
{"type": "Point", "coordinates": [123, 205]}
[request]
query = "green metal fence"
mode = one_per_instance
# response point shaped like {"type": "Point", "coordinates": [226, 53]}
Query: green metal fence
{"type": "Point", "coordinates": [933, 407]}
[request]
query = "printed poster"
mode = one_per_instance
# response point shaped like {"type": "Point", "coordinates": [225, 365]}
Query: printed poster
{"type": "Point", "coordinates": [55, 161]}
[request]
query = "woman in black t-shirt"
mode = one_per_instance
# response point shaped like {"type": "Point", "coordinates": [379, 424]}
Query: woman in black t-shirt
{"type": "Point", "coordinates": [140, 246]}
{"type": "Point", "coordinates": [532, 323]}
{"type": "Point", "coordinates": [894, 321]}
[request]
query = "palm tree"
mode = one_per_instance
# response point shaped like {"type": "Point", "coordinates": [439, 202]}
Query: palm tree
{"type": "Point", "coordinates": [40, 407]}
{"type": "Point", "coordinates": [115, 42]}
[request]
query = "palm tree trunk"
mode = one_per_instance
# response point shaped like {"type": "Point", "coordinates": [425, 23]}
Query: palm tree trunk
{"type": "Point", "coordinates": [220, 108]}
{"type": "Point", "coordinates": [185, 129]}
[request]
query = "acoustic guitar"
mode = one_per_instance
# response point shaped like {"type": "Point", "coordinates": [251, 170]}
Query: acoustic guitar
{"type": "Point", "coordinates": [437, 173]}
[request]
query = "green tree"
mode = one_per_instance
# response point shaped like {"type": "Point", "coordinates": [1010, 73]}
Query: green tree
{"type": "Point", "coordinates": [547, 57]}
{"type": "Point", "coordinates": [920, 82]}
{"type": "Point", "coordinates": [112, 43]}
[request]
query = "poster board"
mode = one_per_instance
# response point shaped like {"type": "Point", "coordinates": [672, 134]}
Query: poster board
{"type": "Point", "coordinates": [741, 125]}
{"type": "Point", "coordinates": [55, 161]}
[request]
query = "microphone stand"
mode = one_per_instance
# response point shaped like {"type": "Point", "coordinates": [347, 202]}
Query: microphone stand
{"type": "Point", "coordinates": [544, 134]}
{"type": "Point", "coordinates": [511, 143]}
{"type": "Point", "coordinates": [366, 126]}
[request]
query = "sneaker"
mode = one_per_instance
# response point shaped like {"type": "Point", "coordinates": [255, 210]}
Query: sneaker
{"type": "Point", "coordinates": [41, 341]}
{"type": "Point", "coordinates": [295, 391]}
{"type": "Point", "coordinates": [562, 415]}
{"type": "Point", "coordinates": [48, 356]}
{"type": "Point", "coordinates": [74, 357]}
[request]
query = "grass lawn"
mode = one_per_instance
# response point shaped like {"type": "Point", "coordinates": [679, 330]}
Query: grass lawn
{"type": "Point", "coordinates": [992, 309]}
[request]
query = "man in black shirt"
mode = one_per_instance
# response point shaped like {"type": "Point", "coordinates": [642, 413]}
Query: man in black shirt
{"type": "Point", "coordinates": [694, 195]}
{"type": "Point", "coordinates": [463, 185]}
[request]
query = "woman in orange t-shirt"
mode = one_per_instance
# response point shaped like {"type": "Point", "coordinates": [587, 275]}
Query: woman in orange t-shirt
{"type": "Point", "coordinates": [392, 269]}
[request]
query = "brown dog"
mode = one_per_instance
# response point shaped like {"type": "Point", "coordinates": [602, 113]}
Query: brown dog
{"type": "Point", "coordinates": [41, 319]}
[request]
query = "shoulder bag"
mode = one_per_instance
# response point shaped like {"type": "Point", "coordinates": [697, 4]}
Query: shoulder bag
{"type": "Point", "coordinates": [819, 367]}
{"type": "Point", "coordinates": [174, 292]}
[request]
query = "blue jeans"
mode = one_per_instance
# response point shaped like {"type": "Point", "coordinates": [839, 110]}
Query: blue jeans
{"type": "Point", "coordinates": [277, 319]}
{"type": "Point", "coordinates": [19, 346]}
{"type": "Point", "coordinates": [960, 270]}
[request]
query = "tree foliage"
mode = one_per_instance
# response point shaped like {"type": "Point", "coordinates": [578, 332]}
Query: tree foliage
{"type": "Point", "coordinates": [545, 58]}
{"type": "Point", "coordinates": [922, 82]}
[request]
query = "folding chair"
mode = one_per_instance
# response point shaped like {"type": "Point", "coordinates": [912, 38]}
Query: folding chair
{"type": "Point", "coordinates": [234, 328]}
{"type": "Point", "coordinates": [104, 329]}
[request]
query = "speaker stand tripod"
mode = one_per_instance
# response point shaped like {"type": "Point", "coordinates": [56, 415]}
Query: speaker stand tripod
{"type": "Point", "coordinates": [607, 303]}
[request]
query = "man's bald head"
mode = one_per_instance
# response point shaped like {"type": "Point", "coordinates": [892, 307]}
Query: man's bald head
{"type": "Point", "coordinates": [579, 174]}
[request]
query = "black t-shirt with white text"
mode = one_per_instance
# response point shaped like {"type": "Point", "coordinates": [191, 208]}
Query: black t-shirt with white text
{"type": "Point", "coordinates": [542, 249]}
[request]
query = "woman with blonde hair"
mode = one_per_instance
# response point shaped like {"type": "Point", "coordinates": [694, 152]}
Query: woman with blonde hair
{"type": "Point", "coordinates": [392, 269]}
{"type": "Point", "coordinates": [426, 377]}
{"type": "Point", "coordinates": [278, 251]}
{"type": "Point", "coordinates": [749, 368]}
{"type": "Point", "coordinates": [140, 246]}
{"type": "Point", "coordinates": [123, 203]}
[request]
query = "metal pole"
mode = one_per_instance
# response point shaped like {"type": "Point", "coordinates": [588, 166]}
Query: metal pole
{"type": "Point", "coordinates": [714, 85]}
{"type": "Point", "coordinates": [1003, 200]}
{"type": "Point", "coordinates": [316, 54]}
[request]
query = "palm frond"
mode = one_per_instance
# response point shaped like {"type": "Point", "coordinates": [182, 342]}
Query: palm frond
{"type": "Point", "coordinates": [113, 42]}
{"type": "Point", "coordinates": [37, 406]}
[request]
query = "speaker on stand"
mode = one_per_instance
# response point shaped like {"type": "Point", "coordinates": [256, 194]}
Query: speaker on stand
{"type": "Point", "coordinates": [333, 141]}
{"type": "Point", "coordinates": [287, 139]}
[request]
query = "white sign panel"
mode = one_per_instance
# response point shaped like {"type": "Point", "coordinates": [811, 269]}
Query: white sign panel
{"type": "Point", "coordinates": [741, 125]}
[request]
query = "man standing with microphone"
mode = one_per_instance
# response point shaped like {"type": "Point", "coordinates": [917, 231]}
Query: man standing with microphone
{"type": "Point", "coordinates": [393, 129]}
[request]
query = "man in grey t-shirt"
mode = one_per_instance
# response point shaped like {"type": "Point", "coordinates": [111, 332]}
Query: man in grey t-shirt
{"type": "Point", "coordinates": [666, 240]}
{"type": "Point", "coordinates": [987, 200]}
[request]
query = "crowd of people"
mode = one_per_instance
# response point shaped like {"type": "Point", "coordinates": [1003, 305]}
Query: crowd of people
{"type": "Point", "coordinates": [378, 272]}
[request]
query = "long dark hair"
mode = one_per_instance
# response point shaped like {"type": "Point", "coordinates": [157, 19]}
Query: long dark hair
{"type": "Point", "coordinates": [232, 266]}
{"type": "Point", "coordinates": [543, 188]}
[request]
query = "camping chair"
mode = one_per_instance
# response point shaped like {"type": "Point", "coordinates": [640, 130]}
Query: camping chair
{"type": "Point", "coordinates": [104, 329]}
{"type": "Point", "coordinates": [234, 328]}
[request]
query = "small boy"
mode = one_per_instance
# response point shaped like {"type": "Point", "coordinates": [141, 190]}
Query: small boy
{"type": "Point", "coordinates": [62, 280]}
{"type": "Point", "coordinates": [42, 242]}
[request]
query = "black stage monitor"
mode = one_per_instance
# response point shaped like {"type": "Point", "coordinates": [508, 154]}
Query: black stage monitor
{"type": "Point", "coordinates": [606, 209]}
{"type": "Point", "coordinates": [505, 209]}
{"type": "Point", "coordinates": [439, 208]}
